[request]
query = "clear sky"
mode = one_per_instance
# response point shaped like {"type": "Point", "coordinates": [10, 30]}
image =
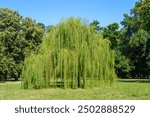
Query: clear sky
{"type": "Point", "coordinates": [51, 11]}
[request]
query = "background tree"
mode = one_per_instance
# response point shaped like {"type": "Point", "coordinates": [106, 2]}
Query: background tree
{"type": "Point", "coordinates": [136, 39]}
{"type": "Point", "coordinates": [96, 25]}
{"type": "Point", "coordinates": [32, 33]}
{"type": "Point", "coordinates": [113, 34]}
{"type": "Point", "coordinates": [42, 25]}
{"type": "Point", "coordinates": [49, 28]}
{"type": "Point", "coordinates": [132, 42]}
{"type": "Point", "coordinates": [9, 37]}
{"type": "Point", "coordinates": [17, 37]}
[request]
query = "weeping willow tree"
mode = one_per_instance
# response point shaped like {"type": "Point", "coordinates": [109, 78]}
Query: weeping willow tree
{"type": "Point", "coordinates": [72, 55]}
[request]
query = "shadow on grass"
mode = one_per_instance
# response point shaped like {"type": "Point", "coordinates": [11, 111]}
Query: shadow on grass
{"type": "Point", "coordinates": [9, 80]}
{"type": "Point", "coordinates": [134, 80]}
{"type": "Point", "coordinates": [2, 81]}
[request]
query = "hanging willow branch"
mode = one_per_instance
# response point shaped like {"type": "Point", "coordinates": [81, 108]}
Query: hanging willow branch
{"type": "Point", "coordinates": [72, 55]}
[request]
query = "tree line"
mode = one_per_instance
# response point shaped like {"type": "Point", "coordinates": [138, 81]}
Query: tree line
{"type": "Point", "coordinates": [131, 42]}
{"type": "Point", "coordinates": [19, 37]}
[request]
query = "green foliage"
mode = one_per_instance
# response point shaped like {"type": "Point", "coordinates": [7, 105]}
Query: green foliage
{"type": "Point", "coordinates": [18, 37]}
{"type": "Point", "coordinates": [132, 42]}
{"type": "Point", "coordinates": [32, 32]}
{"type": "Point", "coordinates": [42, 26]}
{"type": "Point", "coordinates": [141, 12]}
{"type": "Point", "coordinates": [122, 65]}
{"type": "Point", "coordinates": [96, 25]}
{"type": "Point", "coordinates": [9, 25]}
{"type": "Point", "coordinates": [111, 33]}
{"type": "Point", "coordinates": [72, 55]}
{"type": "Point", "coordinates": [136, 39]}
{"type": "Point", "coordinates": [138, 53]}
{"type": "Point", "coordinates": [49, 28]}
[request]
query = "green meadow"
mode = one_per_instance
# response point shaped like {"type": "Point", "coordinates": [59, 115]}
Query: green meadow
{"type": "Point", "coordinates": [122, 90]}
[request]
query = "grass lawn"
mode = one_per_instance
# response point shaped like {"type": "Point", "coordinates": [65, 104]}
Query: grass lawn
{"type": "Point", "coordinates": [123, 90]}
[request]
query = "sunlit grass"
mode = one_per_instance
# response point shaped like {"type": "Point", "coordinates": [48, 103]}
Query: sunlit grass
{"type": "Point", "coordinates": [119, 91]}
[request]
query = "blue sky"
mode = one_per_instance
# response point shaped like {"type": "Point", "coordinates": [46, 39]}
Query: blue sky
{"type": "Point", "coordinates": [51, 11]}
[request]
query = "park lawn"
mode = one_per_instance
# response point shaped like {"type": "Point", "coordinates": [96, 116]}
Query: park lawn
{"type": "Point", "coordinates": [119, 91]}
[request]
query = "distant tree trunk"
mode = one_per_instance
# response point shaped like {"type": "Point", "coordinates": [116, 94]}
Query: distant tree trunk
{"type": "Point", "coordinates": [79, 74]}
{"type": "Point", "coordinates": [16, 79]}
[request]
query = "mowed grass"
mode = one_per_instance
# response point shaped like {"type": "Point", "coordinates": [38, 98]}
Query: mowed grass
{"type": "Point", "coordinates": [133, 90]}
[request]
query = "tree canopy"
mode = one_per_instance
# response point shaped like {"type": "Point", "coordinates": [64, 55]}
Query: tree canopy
{"type": "Point", "coordinates": [21, 39]}
{"type": "Point", "coordinates": [136, 39]}
{"type": "Point", "coordinates": [71, 54]}
{"type": "Point", "coordinates": [18, 36]}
